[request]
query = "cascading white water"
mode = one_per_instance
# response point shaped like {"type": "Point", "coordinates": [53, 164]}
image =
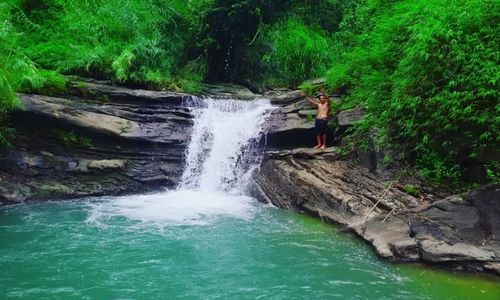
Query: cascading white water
{"type": "Point", "coordinates": [224, 145]}
{"type": "Point", "coordinates": [222, 153]}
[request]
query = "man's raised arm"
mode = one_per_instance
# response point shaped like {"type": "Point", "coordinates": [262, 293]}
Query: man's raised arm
{"type": "Point", "coordinates": [310, 100]}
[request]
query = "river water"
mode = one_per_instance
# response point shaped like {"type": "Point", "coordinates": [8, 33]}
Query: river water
{"type": "Point", "coordinates": [204, 240]}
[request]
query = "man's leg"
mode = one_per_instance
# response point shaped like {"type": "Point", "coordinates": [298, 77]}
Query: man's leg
{"type": "Point", "coordinates": [323, 144]}
{"type": "Point", "coordinates": [318, 141]}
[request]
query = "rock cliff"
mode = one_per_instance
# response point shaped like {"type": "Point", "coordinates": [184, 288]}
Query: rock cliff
{"type": "Point", "coordinates": [98, 139]}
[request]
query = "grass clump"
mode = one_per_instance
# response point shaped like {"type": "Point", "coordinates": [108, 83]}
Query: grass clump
{"type": "Point", "coordinates": [412, 190]}
{"type": "Point", "coordinates": [72, 138]}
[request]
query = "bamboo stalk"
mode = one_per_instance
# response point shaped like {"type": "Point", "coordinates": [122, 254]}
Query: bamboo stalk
{"type": "Point", "coordinates": [389, 214]}
{"type": "Point", "coordinates": [380, 199]}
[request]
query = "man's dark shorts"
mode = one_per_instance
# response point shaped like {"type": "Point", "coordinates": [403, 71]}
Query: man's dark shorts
{"type": "Point", "coordinates": [320, 126]}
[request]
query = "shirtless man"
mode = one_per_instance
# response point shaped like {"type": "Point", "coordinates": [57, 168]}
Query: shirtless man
{"type": "Point", "coordinates": [321, 120]}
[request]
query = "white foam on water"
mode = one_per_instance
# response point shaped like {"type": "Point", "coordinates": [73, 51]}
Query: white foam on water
{"type": "Point", "coordinates": [182, 207]}
{"type": "Point", "coordinates": [222, 153]}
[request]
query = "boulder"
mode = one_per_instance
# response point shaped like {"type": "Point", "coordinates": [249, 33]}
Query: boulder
{"type": "Point", "coordinates": [440, 251]}
{"type": "Point", "coordinates": [308, 113]}
{"type": "Point", "coordinates": [487, 202]}
{"type": "Point", "coordinates": [346, 118]}
{"type": "Point", "coordinates": [58, 110]}
{"type": "Point", "coordinates": [106, 92]}
{"type": "Point", "coordinates": [283, 97]}
{"type": "Point", "coordinates": [228, 91]}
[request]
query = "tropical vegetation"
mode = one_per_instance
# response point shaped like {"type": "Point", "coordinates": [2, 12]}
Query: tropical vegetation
{"type": "Point", "coordinates": [425, 72]}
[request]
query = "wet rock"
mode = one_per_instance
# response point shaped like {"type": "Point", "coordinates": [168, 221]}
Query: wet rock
{"type": "Point", "coordinates": [228, 91]}
{"type": "Point", "coordinates": [85, 165]}
{"type": "Point", "coordinates": [59, 110]}
{"type": "Point", "coordinates": [309, 113]}
{"type": "Point", "coordinates": [317, 81]}
{"type": "Point", "coordinates": [379, 159]}
{"type": "Point", "coordinates": [106, 93]}
{"type": "Point", "coordinates": [440, 251]}
{"type": "Point", "coordinates": [320, 180]}
{"type": "Point", "coordinates": [492, 267]}
{"type": "Point", "coordinates": [283, 97]}
{"type": "Point", "coordinates": [487, 201]}
{"type": "Point", "coordinates": [451, 223]}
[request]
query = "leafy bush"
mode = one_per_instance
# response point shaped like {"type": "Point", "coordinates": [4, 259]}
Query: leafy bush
{"type": "Point", "coordinates": [15, 70]}
{"type": "Point", "coordinates": [308, 89]}
{"type": "Point", "coordinates": [412, 190]}
{"type": "Point", "coordinates": [426, 73]}
{"type": "Point", "coordinates": [128, 41]}
{"type": "Point", "coordinates": [298, 52]}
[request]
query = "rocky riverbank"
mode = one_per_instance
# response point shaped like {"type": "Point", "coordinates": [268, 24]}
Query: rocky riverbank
{"type": "Point", "coordinates": [366, 195]}
{"type": "Point", "coordinates": [457, 231]}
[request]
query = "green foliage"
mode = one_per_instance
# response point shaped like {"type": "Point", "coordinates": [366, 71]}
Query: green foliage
{"type": "Point", "coordinates": [129, 41]}
{"type": "Point", "coordinates": [335, 107]}
{"type": "Point", "coordinates": [172, 44]}
{"type": "Point", "coordinates": [298, 52]}
{"type": "Point", "coordinates": [493, 171]}
{"type": "Point", "coordinates": [51, 83]}
{"type": "Point", "coordinates": [18, 73]}
{"type": "Point", "coordinates": [426, 73]}
{"type": "Point", "coordinates": [15, 69]}
{"type": "Point", "coordinates": [6, 134]}
{"type": "Point", "coordinates": [74, 139]}
{"type": "Point", "coordinates": [412, 190]}
{"type": "Point", "coordinates": [309, 89]}
{"type": "Point", "coordinates": [273, 43]}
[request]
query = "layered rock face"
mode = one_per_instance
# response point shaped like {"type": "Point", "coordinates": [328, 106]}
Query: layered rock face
{"type": "Point", "coordinates": [460, 231]}
{"type": "Point", "coordinates": [100, 139]}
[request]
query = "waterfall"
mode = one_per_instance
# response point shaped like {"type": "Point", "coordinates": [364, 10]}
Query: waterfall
{"type": "Point", "coordinates": [224, 147]}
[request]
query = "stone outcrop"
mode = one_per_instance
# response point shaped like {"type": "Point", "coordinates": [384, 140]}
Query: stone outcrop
{"type": "Point", "coordinates": [288, 128]}
{"type": "Point", "coordinates": [291, 124]}
{"type": "Point", "coordinates": [228, 91]}
{"type": "Point", "coordinates": [283, 96]}
{"type": "Point", "coordinates": [99, 139]}
{"type": "Point", "coordinates": [457, 231]}
{"type": "Point", "coordinates": [348, 117]}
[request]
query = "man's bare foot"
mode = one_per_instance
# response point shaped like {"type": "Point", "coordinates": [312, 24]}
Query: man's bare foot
{"type": "Point", "coordinates": [317, 147]}
{"type": "Point", "coordinates": [322, 147]}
